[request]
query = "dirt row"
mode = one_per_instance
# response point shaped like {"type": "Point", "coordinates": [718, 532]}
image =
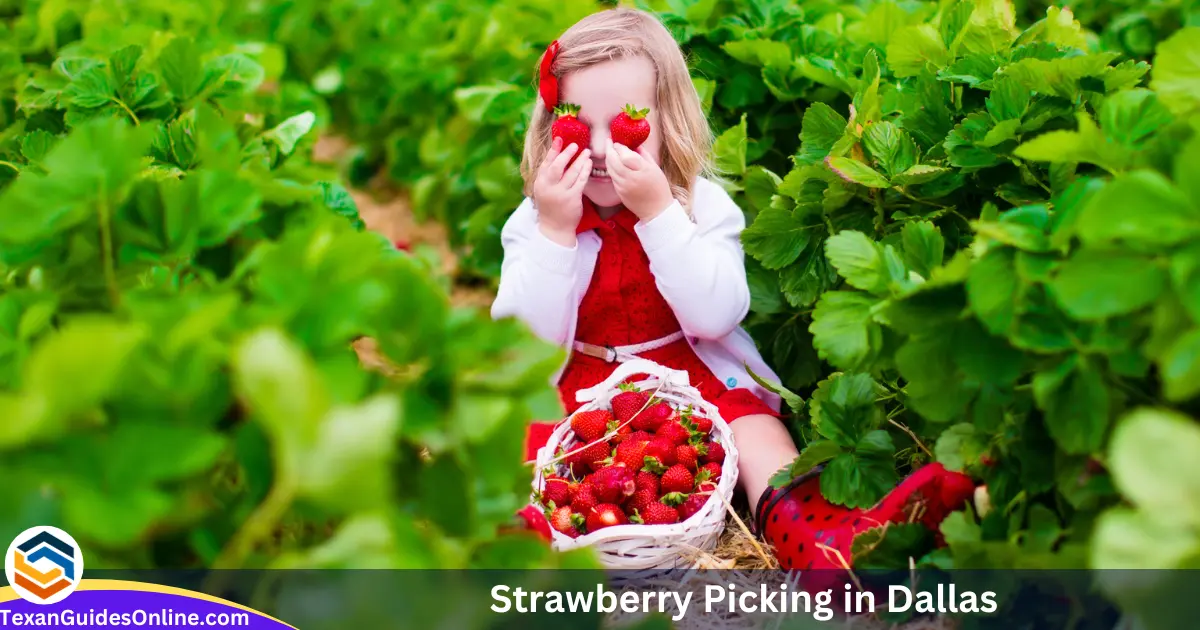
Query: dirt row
{"type": "Point", "coordinates": [385, 209]}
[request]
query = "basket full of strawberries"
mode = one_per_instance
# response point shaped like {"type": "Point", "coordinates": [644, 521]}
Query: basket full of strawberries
{"type": "Point", "coordinates": [643, 472]}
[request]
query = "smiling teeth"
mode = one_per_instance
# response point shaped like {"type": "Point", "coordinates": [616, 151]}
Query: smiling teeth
{"type": "Point", "coordinates": [599, 172]}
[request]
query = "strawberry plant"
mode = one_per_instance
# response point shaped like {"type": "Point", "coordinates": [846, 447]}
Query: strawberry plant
{"type": "Point", "coordinates": [181, 289]}
{"type": "Point", "coordinates": [988, 248]}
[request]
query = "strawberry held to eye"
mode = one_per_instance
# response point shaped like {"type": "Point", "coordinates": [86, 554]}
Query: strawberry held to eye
{"type": "Point", "coordinates": [630, 127]}
{"type": "Point", "coordinates": [572, 131]}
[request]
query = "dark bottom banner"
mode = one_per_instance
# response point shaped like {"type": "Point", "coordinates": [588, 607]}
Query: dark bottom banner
{"type": "Point", "coordinates": [545, 599]}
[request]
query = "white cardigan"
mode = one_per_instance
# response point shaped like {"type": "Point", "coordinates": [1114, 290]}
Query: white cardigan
{"type": "Point", "coordinates": [698, 267]}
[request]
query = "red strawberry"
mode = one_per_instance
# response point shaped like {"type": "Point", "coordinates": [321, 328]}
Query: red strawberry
{"type": "Point", "coordinates": [585, 499]}
{"type": "Point", "coordinates": [714, 471]}
{"type": "Point", "coordinates": [620, 431]}
{"type": "Point", "coordinates": [691, 505]}
{"type": "Point", "coordinates": [590, 426]}
{"type": "Point", "coordinates": [591, 457]}
{"type": "Point", "coordinates": [659, 455]}
{"type": "Point", "coordinates": [703, 425]}
{"type": "Point", "coordinates": [645, 480]}
{"type": "Point", "coordinates": [639, 436]}
{"type": "Point", "coordinates": [557, 490]}
{"type": "Point", "coordinates": [686, 454]}
{"type": "Point", "coordinates": [640, 500]}
{"type": "Point", "coordinates": [605, 515]}
{"type": "Point", "coordinates": [564, 521]}
{"type": "Point", "coordinates": [653, 416]}
{"type": "Point", "coordinates": [705, 486]}
{"type": "Point", "coordinates": [628, 402]}
{"type": "Point", "coordinates": [572, 131]}
{"type": "Point", "coordinates": [675, 432]}
{"type": "Point", "coordinates": [613, 483]}
{"type": "Point", "coordinates": [678, 479]}
{"type": "Point", "coordinates": [536, 520]}
{"type": "Point", "coordinates": [658, 513]}
{"type": "Point", "coordinates": [631, 454]}
{"type": "Point", "coordinates": [630, 127]}
{"type": "Point", "coordinates": [715, 454]}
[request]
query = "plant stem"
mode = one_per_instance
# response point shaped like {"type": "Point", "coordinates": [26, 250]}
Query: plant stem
{"type": "Point", "coordinates": [106, 252]}
{"type": "Point", "coordinates": [258, 526]}
{"type": "Point", "coordinates": [914, 437]}
{"type": "Point", "coordinates": [125, 107]}
{"type": "Point", "coordinates": [10, 165]}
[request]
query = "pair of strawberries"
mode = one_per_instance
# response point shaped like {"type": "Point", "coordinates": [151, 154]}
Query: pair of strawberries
{"type": "Point", "coordinates": [629, 128]}
{"type": "Point", "coordinates": [642, 462]}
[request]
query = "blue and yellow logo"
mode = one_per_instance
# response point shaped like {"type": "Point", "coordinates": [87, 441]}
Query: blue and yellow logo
{"type": "Point", "coordinates": [44, 565]}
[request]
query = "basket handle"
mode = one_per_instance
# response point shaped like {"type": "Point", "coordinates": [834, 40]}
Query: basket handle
{"type": "Point", "coordinates": [678, 378]}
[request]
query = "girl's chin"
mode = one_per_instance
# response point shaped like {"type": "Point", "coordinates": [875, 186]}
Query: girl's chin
{"type": "Point", "coordinates": [602, 194]}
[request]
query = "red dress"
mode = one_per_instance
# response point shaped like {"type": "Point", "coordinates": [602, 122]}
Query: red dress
{"type": "Point", "coordinates": [623, 307]}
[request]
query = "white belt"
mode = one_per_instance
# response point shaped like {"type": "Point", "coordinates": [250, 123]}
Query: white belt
{"type": "Point", "coordinates": [621, 354]}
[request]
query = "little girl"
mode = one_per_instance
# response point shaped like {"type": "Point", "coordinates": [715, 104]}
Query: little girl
{"type": "Point", "coordinates": [625, 253]}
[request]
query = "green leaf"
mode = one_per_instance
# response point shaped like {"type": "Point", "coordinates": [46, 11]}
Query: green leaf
{"type": "Point", "coordinates": [1086, 144]}
{"type": "Point", "coordinates": [844, 331]}
{"type": "Point", "coordinates": [729, 150]}
{"type": "Point", "coordinates": [1096, 284]}
{"type": "Point", "coordinates": [962, 143]}
{"type": "Point", "coordinates": [814, 454]}
{"type": "Point", "coordinates": [1058, 27]}
{"type": "Point", "coordinates": [1142, 207]}
{"type": "Point", "coordinates": [990, 29]}
{"type": "Point", "coordinates": [1176, 71]}
{"type": "Point", "coordinates": [284, 391]}
{"type": "Point", "coordinates": [960, 447]}
{"type": "Point", "coordinates": [863, 477]}
{"type": "Point", "coordinates": [821, 129]}
{"type": "Point", "coordinates": [96, 161]}
{"type": "Point", "coordinates": [843, 408]}
{"type": "Point", "coordinates": [1132, 117]}
{"type": "Point", "coordinates": [919, 174]}
{"type": "Point", "coordinates": [924, 247]}
{"type": "Point", "coordinates": [1009, 100]}
{"type": "Point", "coordinates": [36, 144]}
{"type": "Point", "coordinates": [992, 289]}
{"type": "Point", "coordinates": [1127, 539]}
{"type": "Point", "coordinates": [78, 367]}
{"type": "Point", "coordinates": [347, 467]}
{"type": "Point", "coordinates": [891, 147]}
{"type": "Point", "coordinates": [1152, 463]}
{"type": "Point", "coordinates": [287, 133]}
{"type": "Point", "coordinates": [1180, 368]}
{"type": "Point", "coordinates": [181, 69]}
{"type": "Point", "coordinates": [777, 237]}
{"type": "Point", "coordinates": [856, 172]}
{"type": "Point", "coordinates": [913, 49]}
{"type": "Point", "coordinates": [759, 185]}
{"type": "Point", "coordinates": [858, 259]}
{"type": "Point", "coordinates": [1074, 399]}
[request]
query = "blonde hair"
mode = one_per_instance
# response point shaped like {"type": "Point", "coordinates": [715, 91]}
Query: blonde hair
{"type": "Point", "coordinates": [618, 34]}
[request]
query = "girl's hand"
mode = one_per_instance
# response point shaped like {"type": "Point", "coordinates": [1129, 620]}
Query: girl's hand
{"type": "Point", "coordinates": [558, 192]}
{"type": "Point", "coordinates": [640, 183]}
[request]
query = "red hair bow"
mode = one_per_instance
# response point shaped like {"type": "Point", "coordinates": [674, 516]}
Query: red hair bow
{"type": "Point", "coordinates": [548, 83]}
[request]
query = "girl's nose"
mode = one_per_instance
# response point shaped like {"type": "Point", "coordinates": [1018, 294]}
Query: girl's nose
{"type": "Point", "coordinates": [599, 144]}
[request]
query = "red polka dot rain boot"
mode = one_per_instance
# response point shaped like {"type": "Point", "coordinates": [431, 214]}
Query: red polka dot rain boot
{"type": "Point", "coordinates": [809, 533]}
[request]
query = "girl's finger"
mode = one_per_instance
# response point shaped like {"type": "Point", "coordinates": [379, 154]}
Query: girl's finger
{"type": "Point", "coordinates": [555, 148]}
{"type": "Point", "coordinates": [614, 163]}
{"type": "Point", "coordinates": [560, 162]}
{"type": "Point", "coordinates": [631, 160]}
{"type": "Point", "coordinates": [584, 175]}
{"type": "Point", "coordinates": [584, 163]}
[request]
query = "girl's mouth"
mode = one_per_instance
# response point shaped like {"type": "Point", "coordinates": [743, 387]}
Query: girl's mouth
{"type": "Point", "coordinates": [600, 174]}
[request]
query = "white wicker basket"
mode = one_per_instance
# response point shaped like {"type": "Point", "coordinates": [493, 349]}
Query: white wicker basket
{"type": "Point", "coordinates": [649, 547]}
